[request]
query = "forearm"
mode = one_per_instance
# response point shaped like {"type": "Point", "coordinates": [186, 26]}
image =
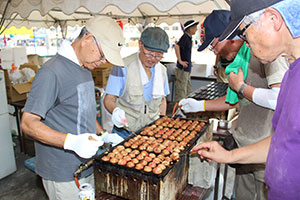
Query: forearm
{"type": "Point", "coordinates": [32, 126]}
{"type": "Point", "coordinates": [110, 102]}
{"type": "Point", "coordinates": [255, 153]}
{"type": "Point", "coordinates": [218, 105]}
{"type": "Point", "coordinates": [98, 127]}
{"type": "Point", "coordinates": [163, 106]}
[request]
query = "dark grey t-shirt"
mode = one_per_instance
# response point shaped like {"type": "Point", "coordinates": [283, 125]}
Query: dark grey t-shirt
{"type": "Point", "coordinates": [63, 95]}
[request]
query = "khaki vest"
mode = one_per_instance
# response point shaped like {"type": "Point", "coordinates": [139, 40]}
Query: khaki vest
{"type": "Point", "coordinates": [139, 112]}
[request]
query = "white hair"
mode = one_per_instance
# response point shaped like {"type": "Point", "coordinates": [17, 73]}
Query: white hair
{"type": "Point", "coordinates": [253, 17]}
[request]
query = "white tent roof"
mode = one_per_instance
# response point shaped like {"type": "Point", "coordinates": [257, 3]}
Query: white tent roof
{"type": "Point", "coordinates": [46, 13]}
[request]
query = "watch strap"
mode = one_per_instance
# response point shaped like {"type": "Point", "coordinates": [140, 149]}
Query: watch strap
{"type": "Point", "coordinates": [241, 90]}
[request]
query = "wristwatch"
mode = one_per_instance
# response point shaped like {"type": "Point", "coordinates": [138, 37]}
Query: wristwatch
{"type": "Point", "coordinates": [241, 90]}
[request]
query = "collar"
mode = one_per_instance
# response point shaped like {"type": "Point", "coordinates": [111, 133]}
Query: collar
{"type": "Point", "coordinates": [67, 51]}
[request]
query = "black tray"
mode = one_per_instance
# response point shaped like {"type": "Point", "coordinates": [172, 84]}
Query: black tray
{"type": "Point", "coordinates": [107, 166]}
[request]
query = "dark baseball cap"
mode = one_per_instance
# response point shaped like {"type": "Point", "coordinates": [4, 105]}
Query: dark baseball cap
{"type": "Point", "coordinates": [155, 39]}
{"type": "Point", "coordinates": [214, 25]}
{"type": "Point", "coordinates": [239, 10]}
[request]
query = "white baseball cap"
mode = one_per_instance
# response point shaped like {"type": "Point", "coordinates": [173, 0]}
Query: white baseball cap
{"type": "Point", "coordinates": [109, 35]}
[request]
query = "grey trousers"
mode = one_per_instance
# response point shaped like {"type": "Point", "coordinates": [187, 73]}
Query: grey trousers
{"type": "Point", "coordinates": [183, 84]}
{"type": "Point", "coordinates": [250, 183]}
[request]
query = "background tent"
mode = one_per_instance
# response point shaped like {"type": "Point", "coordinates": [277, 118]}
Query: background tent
{"type": "Point", "coordinates": [46, 13]}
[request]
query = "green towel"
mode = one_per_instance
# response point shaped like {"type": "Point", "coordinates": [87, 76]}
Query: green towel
{"type": "Point", "coordinates": [241, 60]}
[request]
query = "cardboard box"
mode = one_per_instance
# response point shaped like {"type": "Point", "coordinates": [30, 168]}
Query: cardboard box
{"type": "Point", "coordinates": [100, 76]}
{"type": "Point", "coordinates": [17, 92]}
{"type": "Point", "coordinates": [33, 59]}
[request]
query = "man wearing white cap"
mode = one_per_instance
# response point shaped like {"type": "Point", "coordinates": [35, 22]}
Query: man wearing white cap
{"type": "Point", "coordinates": [276, 22]}
{"type": "Point", "coordinates": [60, 111]}
{"type": "Point", "coordinates": [183, 51]}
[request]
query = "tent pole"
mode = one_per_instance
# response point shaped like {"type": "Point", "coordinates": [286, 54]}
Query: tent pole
{"type": "Point", "coordinates": [3, 19]}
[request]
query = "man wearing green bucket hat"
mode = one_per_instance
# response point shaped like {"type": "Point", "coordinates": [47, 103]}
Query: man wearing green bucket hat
{"type": "Point", "coordinates": [135, 93]}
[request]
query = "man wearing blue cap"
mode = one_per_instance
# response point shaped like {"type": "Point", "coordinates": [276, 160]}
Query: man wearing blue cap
{"type": "Point", "coordinates": [136, 94]}
{"type": "Point", "coordinates": [277, 24]}
{"type": "Point", "coordinates": [183, 51]}
{"type": "Point", "coordinates": [250, 178]}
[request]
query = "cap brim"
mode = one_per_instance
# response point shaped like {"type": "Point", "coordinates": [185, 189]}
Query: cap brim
{"type": "Point", "coordinates": [192, 24]}
{"type": "Point", "coordinates": [112, 55]}
{"type": "Point", "coordinates": [205, 44]}
{"type": "Point", "coordinates": [230, 32]}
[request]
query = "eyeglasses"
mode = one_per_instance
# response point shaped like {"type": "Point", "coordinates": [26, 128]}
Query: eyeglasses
{"type": "Point", "coordinates": [102, 57]}
{"type": "Point", "coordinates": [241, 32]}
{"type": "Point", "coordinates": [212, 47]}
{"type": "Point", "coordinates": [151, 55]}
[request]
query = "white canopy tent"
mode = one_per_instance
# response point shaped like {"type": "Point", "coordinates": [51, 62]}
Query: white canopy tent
{"type": "Point", "coordinates": [47, 13]}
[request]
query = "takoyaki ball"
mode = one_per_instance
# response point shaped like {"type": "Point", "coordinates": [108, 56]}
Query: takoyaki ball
{"type": "Point", "coordinates": [127, 144]}
{"type": "Point", "coordinates": [132, 155]}
{"type": "Point", "coordinates": [142, 147]}
{"type": "Point", "coordinates": [150, 148]}
{"type": "Point", "coordinates": [115, 151]}
{"type": "Point", "coordinates": [120, 147]}
{"type": "Point", "coordinates": [135, 160]}
{"type": "Point", "coordinates": [156, 160]}
{"type": "Point", "coordinates": [139, 166]}
{"type": "Point", "coordinates": [147, 169]}
{"type": "Point", "coordinates": [162, 166]}
{"type": "Point", "coordinates": [175, 156]}
{"type": "Point", "coordinates": [122, 162]}
{"type": "Point", "coordinates": [111, 155]}
{"type": "Point", "coordinates": [160, 140]}
{"type": "Point", "coordinates": [124, 153]}
{"type": "Point", "coordinates": [166, 152]}
{"type": "Point", "coordinates": [165, 163]}
{"type": "Point", "coordinates": [143, 162]}
{"type": "Point", "coordinates": [157, 170]}
{"type": "Point", "coordinates": [130, 164]}
{"type": "Point", "coordinates": [136, 152]}
{"type": "Point", "coordinates": [144, 153]}
{"type": "Point", "coordinates": [105, 158]}
{"type": "Point", "coordinates": [148, 159]}
{"type": "Point", "coordinates": [168, 159]}
{"type": "Point", "coordinates": [134, 146]}
{"type": "Point", "coordinates": [152, 164]}
{"type": "Point", "coordinates": [152, 155]}
{"type": "Point", "coordinates": [140, 157]}
{"type": "Point", "coordinates": [161, 156]}
{"type": "Point", "coordinates": [157, 150]}
{"type": "Point", "coordinates": [128, 150]}
{"type": "Point", "coordinates": [113, 160]}
{"type": "Point", "coordinates": [127, 158]}
{"type": "Point", "coordinates": [119, 156]}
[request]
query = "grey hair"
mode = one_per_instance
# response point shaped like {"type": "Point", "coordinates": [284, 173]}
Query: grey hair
{"type": "Point", "coordinates": [253, 17]}
{"type": "Point", "coordinates": [82, 33]}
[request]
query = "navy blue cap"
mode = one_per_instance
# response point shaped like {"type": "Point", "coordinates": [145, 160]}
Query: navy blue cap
{"type": "Point", "coordinates": [189, 24]}
{"type": "Point", "coordinates": [214, 25]}
{"type": "Point", "coordinates": [155, 39]}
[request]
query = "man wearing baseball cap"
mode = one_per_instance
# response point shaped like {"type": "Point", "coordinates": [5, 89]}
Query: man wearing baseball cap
{"type": "Point", "coordinates": [60, 111]}
{"type": "Point", "coordinates": [136, 93]}
{"type": "Point", "coordinates": [183, 51]}
{"type": "Point", "coordinates": [249, 178]}
{"type": "Point", "coordinates": [276, 24]}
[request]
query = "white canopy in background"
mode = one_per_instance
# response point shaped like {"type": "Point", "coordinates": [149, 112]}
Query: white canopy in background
{"type": "Point", "coordinates": [46, 13]}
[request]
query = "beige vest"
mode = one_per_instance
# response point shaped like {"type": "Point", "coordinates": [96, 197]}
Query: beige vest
{"type": "Point", "coordinates": [139, 112]}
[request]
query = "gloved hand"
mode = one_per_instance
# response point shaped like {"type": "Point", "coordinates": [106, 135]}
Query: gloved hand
{"type": "Point", "coordinates": [192, 105]}
{"type": "Point", "coordinates": [85, 145]}
{"type": "Point", "coordinates": [113, 138]}
{"type": "Point", "coordinates": [118, 117]}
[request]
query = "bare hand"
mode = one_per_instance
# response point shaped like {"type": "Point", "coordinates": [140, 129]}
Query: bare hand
{"type": "Point", "coordinates": [236, 80]}
{"type": "Point", "coordinates": [213, 151]}
{"type": "Point", "coordinates": [185, 64]}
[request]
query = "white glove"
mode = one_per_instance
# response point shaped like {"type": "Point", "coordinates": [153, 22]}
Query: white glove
{"type": "Point", "coordinates": [192, 105]}
{"type": "Point", "coordinates": [85, 145]}
{"type": "Point", "coordinates": [118, 117]}
{"type": "Point", "coordinates": [113, 138]}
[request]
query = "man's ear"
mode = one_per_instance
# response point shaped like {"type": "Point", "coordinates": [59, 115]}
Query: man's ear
{"type": "Point", "coordinates": [275, 18]}
{"type": "Point", "coordinates": [86, 39]}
